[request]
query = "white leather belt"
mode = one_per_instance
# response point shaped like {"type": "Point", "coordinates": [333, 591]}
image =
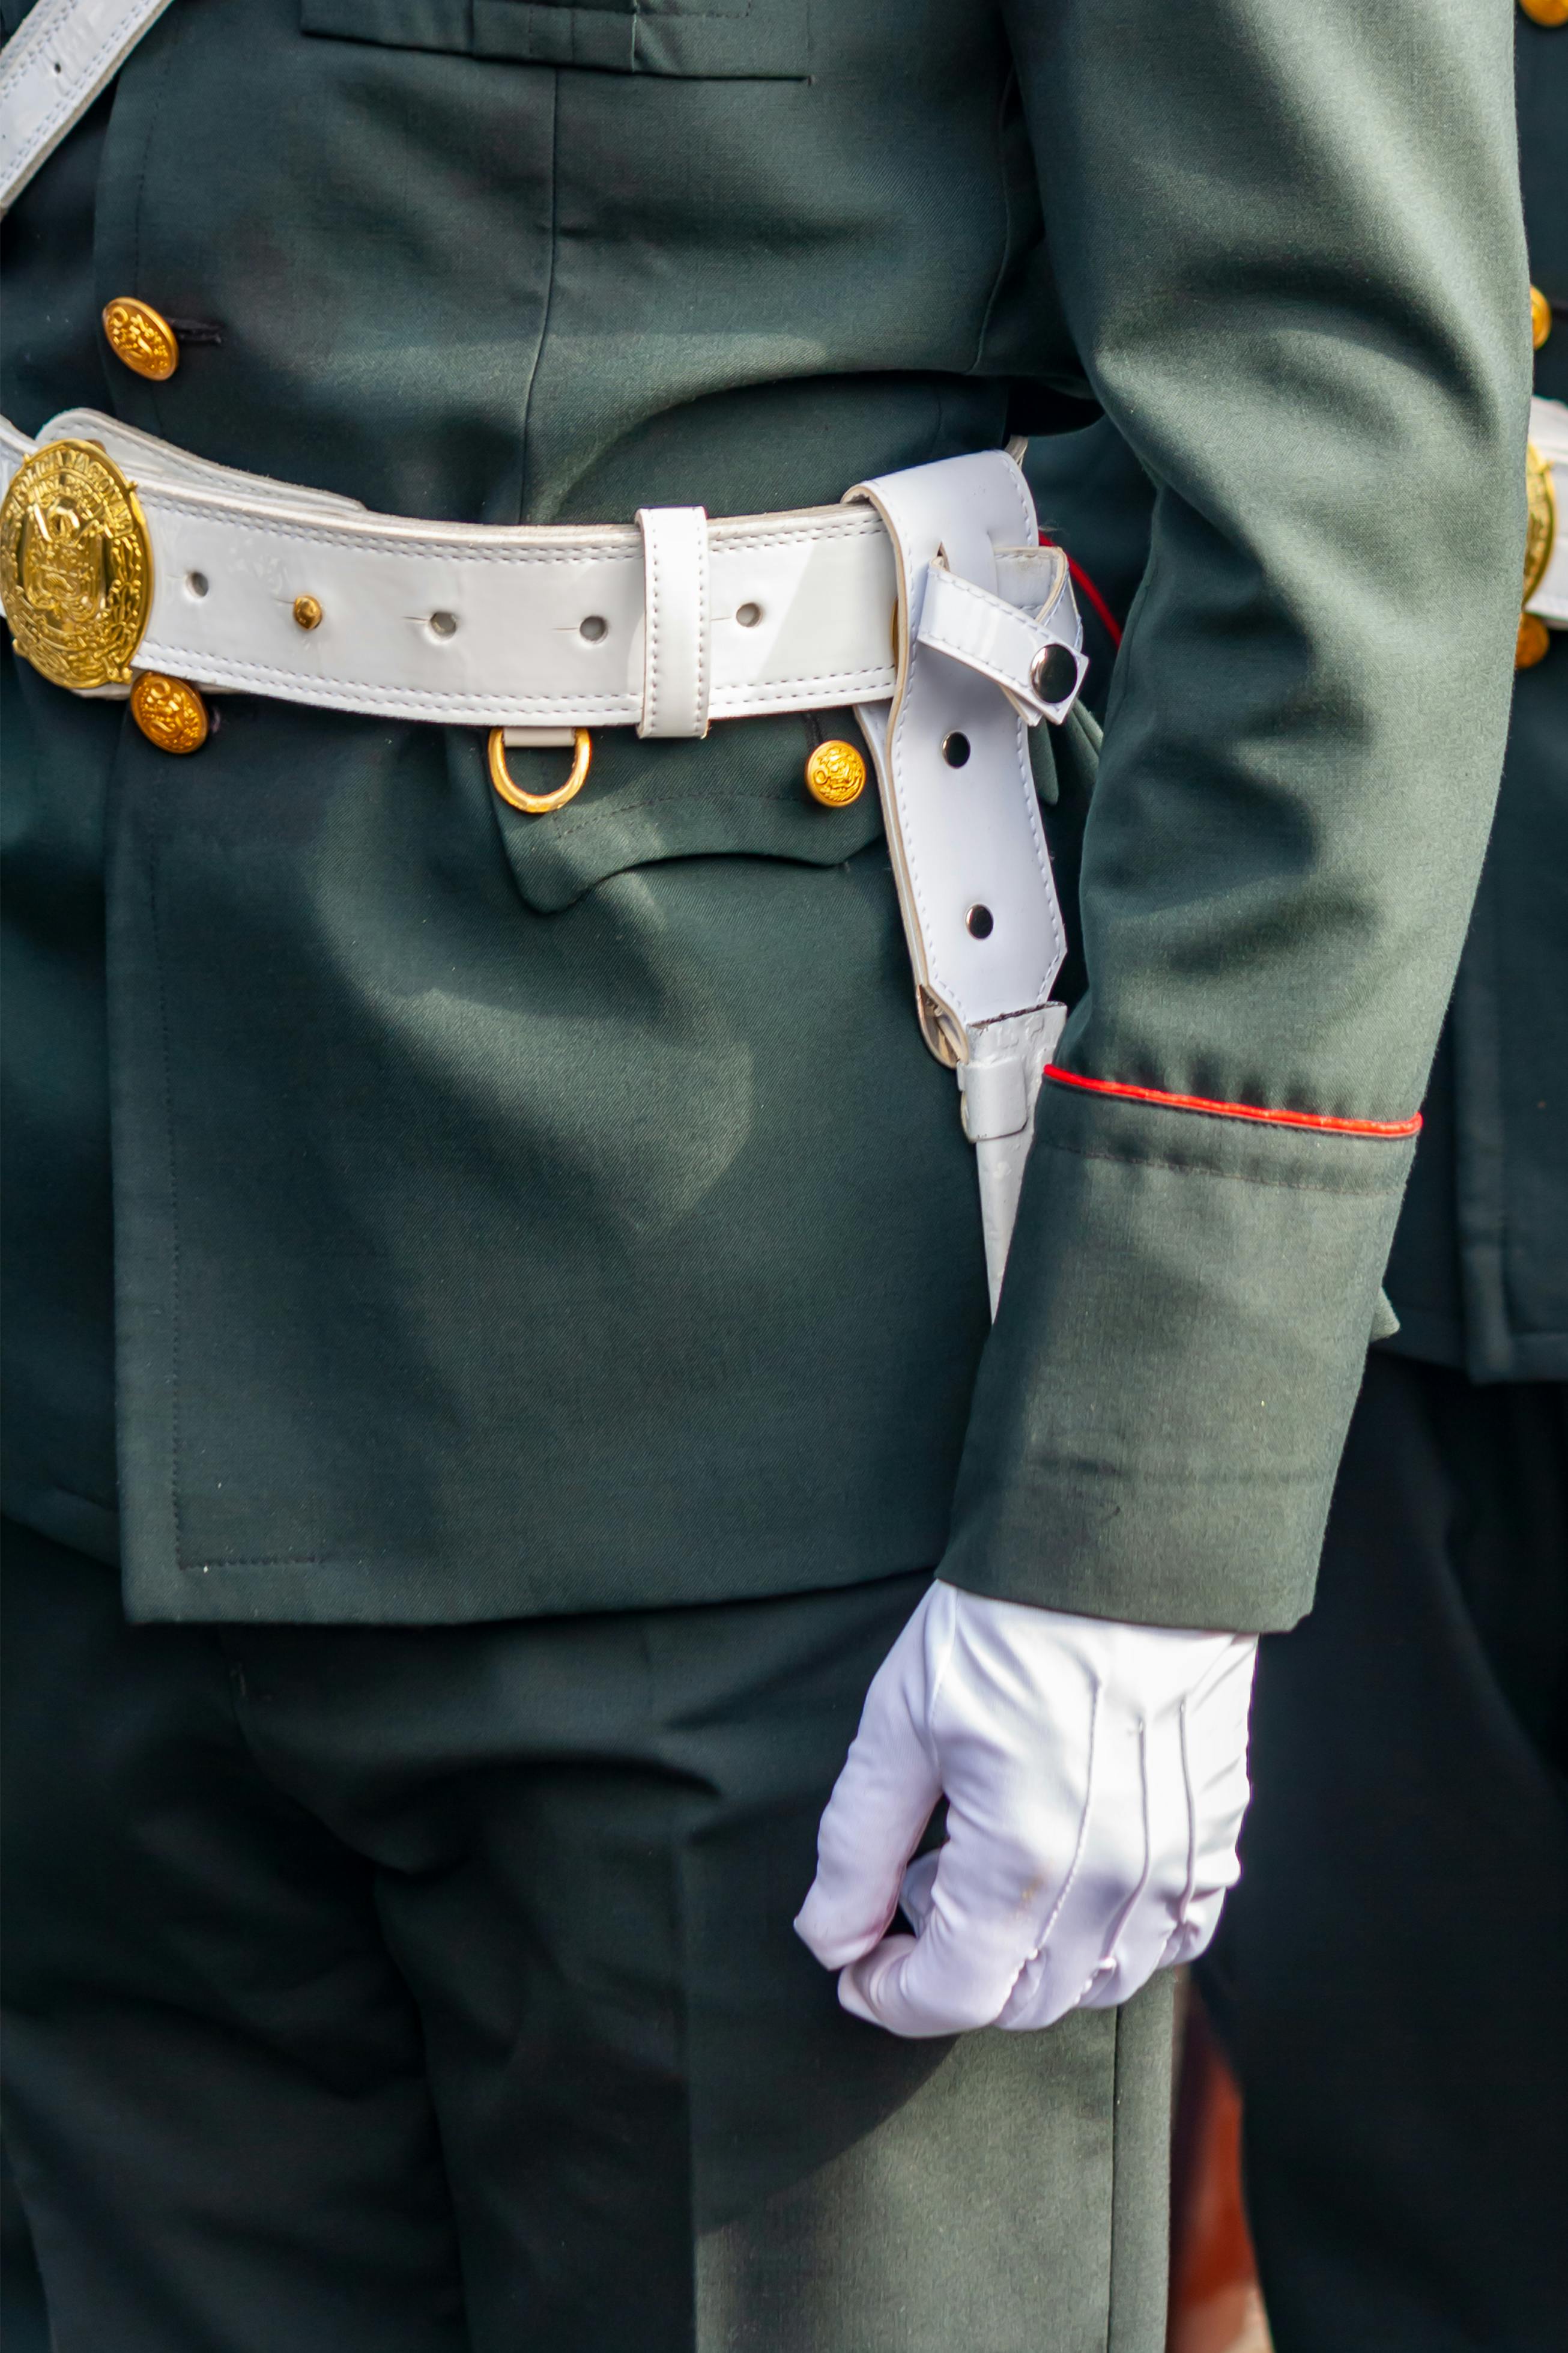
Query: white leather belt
{"type": "Point", "coordinates": [265, 588]}
{"type": "Point", "coordinates": [662, 627]}
{"type": "Point", "coordinates": [924, 601]}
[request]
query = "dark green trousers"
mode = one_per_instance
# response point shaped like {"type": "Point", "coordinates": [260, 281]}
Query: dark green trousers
{"type": "Point", "coordinates": [427, 1990]}
{"type": "Point", "coordinates": [1392, 1974]}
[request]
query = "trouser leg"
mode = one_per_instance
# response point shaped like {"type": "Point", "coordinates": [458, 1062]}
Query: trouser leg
{"type": "Point", "coordinates": [216, 2099]}
{"type": "Point", "coordinates": [592, 1835]}
{"type": "Point", "coordinates": [1389, 1973]}
{"type": "Point", "coordinates": [523, 1893]}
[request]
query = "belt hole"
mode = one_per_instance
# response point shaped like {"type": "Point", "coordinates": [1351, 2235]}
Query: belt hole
{"type": "Point", "coordinates": [956, 752]}
{"type": "Point", "coordinates": [981, 923]}
{"type": "Point", "coordinates": [196, 583]}
{"type": "Point", "coordinates": [595, 627]}
{"type": "Point", "coordinates": [443, 625]}
{"type": "Point", "coordinates": [748, 614]}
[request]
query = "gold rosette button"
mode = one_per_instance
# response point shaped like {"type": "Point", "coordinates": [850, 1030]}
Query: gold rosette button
{"type": "Point", "coordinates": [835, 774]}
{"type": "Point", "coordinates": [141, 338]}
{"type": "Point", "coordinates": [169, 713]}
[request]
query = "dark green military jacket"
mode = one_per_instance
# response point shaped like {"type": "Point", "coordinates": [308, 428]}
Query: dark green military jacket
{"type": "Point", "coordinates": [516, 1215]}
{"type": "Point", "coordinates": [1479, 1271]}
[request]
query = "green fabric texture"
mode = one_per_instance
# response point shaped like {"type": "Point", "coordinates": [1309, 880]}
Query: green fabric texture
{"type": "Point", "coordinates": [474, 1944]}
{"type": "Point", "coordinates": [1233, 1383]}
{"type": "Point", "coordinates": [1478, 1273]}
{"type": "Point", "coordinates": [506, 1225]}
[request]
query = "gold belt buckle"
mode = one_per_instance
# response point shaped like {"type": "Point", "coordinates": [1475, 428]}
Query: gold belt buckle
{"type": "Point", "coordinates": [76, 565]}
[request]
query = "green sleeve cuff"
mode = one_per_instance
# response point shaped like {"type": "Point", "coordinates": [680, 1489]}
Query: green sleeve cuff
{"type": "Point", "coordinates": [1163, 1401]}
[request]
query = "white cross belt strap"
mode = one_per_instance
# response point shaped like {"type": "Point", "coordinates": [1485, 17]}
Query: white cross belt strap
{"type": "Point", "coordinates": [52, 67]}
{"type": "Point", "coordinates": [924, 601]}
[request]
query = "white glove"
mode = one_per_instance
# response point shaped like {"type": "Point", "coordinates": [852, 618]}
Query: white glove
{"type": "Point", "coordinates": [1095, 1777]}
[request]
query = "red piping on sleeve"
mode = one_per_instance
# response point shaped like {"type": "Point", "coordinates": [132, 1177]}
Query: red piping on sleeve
{"type": "Point", "coordinates": [1080, 579]}
{"type": "Point", "coordinates": [1321, 1120]}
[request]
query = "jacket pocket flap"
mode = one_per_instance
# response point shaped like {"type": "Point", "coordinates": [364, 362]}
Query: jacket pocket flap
{"type": "Point", "coordinates": [740, 792]}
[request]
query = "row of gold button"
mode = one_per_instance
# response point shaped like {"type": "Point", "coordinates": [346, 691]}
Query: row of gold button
{"type": "Point", "coordinates": [174, 716]}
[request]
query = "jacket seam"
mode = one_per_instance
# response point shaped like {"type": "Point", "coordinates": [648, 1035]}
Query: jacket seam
{"type": "Point", "coordinates": [1230, 1176]}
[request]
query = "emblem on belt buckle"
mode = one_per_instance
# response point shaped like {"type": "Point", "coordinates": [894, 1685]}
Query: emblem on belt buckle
{"type": "Point", "coordinates": [76, 565]}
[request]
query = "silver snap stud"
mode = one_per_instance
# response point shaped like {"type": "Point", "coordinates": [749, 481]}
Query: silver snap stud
{"type": "Point", "coordinates": [1053, 673]}
{"type": "Point", "coordinates": [595, 627]}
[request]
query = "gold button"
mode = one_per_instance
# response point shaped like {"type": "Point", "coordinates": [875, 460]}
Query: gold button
{"type": "Point", "coordinates": [1545, 12]}
{"type": "Point", "coordinates": [308, 612]}
{"type": "Point", "coordinates": [1540, 312]}
{"type": "Point", "coordinates": [169, 713]}
{"type": "Point", "coordinates": [1533, 639]}
{"type": "Point", "coordinates": [141, 337]}
{"type": "Point", "coordinates": [835, 774]}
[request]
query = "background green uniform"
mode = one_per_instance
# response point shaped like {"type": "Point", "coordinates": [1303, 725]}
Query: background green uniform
{"type": "Point", "coordinates": [520, 1285]}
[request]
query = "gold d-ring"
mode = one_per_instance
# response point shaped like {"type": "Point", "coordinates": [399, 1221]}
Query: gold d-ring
{"type": "Point", "coordinates": [540, 804]}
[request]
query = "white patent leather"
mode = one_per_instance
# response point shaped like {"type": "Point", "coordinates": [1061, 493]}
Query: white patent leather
{"type": "Point", "coordinates": [676, 626]}
{"type": "Point", "coordinates": [1548, 435]}
{"type": "Point", "coordinates": [967, 837]}
{"type": "Point", "coordinates": [968, 547]}
{"type": "Point", "coordinates": [820, 581]}
{"type": "Point", "coordinates": [992, 636]}
{"type": "Point", "coordinates": [53, 67]}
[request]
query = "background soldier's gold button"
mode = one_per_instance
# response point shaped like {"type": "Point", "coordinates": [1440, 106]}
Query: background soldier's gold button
{"type": "Point", "coordinates": [308, 612]}
{"type": "Point", "coordinates": [169, 713]}
{"type": "Point", "coordinates": [141, 337]}
{"type": "Point", "coordinates": [1533, 639]}
{"type": "Point", "coordinates": [1540, 312]}
{"type": "Point", "coordinates": [1545, 12]}
{"type": "Point", "coordinates": [835, 774]}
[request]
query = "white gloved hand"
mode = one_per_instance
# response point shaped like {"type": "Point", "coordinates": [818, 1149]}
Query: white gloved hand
{"type": "Point", "coordinates": [1095, 1777]}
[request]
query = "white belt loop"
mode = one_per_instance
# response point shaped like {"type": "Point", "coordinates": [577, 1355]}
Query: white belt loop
{"type": "Point", "coordinates": [677, 641]}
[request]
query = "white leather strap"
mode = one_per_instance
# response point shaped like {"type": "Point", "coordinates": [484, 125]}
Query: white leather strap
{"type": "Point", "coordinates": [953, 759]}
{"type": "Point", "coordinates": [677, 651]}
{"type": "Point", "coordinates": [962, 821]}
{"type": "Point", "coordinates": [52, 67]}
{"type": "Point", "coordinates": [1006, 646]}
{"type": "Point", "coordinates": [1548, 437]}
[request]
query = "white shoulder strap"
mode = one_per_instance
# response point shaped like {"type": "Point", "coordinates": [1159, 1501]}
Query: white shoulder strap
{"type": "Point", "coordinates": [51, 69]}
